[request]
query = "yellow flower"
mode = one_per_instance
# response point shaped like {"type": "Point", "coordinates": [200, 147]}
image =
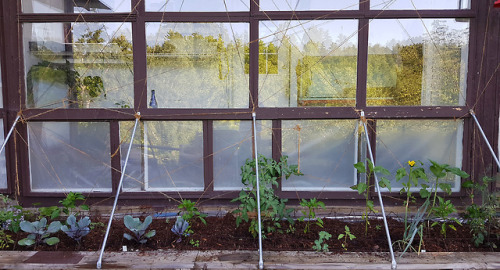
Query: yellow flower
{"type": "Point", "coordinates": [411, 163]}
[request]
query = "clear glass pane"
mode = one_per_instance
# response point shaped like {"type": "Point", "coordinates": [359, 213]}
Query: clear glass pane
{"type": "Point", "coordinates": [399, 141]}
{"type": "Point", "coordinates": [78, 65]}
{"type": "Point", "coordinates": [233, 145]}
{"type": "Point", "coordinates": [3, 169]}
{"type": "Point", "coordinates": [69, 156]}
{"type": "Point", "coordinates": [413, 62]}
{"type": "Point", "coordinates": [287, 5]}
{"type": "Point", "coordinates": [165, 156]}
{"type": "Point", "coordinates": [325, 151]}
{"type": "Point", "coordinates": [75, 6]}
{"type": "Point", "coordinates": [197, 5]}
{"type": "Point", "coordinates": [309, 63]}
{"type": "Point", "coordinates": [197, 65]}
{"type": "Point", "coordinates": [419, 4]}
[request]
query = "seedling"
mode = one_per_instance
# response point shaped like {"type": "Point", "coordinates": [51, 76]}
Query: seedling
{"type": "Point", "coordinates": [364, 188]}
{"type": "Point", "coordinates": [310, 214]}
{"type": "Point", "coordinates": [190, 211]}
{"type": "Point", "coordinates": [319, 244]}
{"type": "Point", "coordinates": [138, 229]}
{"type": "Point", "coordinates": [76, 230]}
{"type": "Point", "coordinates": [180, 228]}
{"type": "Point", "coordinates": [39, 233]}
{"type": "Point", "coordinates": [443, 211]}
{"type": "Point", "coordinates": [346, 235]}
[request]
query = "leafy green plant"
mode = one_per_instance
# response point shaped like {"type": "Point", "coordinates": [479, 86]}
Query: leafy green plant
{"type": "Point", "coordinates": [138, 229]}
{"type": "Point", "coordinates": [94, 225]}
{"type": "Point", "coordinates": [69, 206]}
{"type": "Point", "coordinates": [347, 235]}
{"type": "Point", "coordinates": [76, 230]}
{"type": "Point", "coordinates": [482, 217]}
{"type": "Point", "coordinates": [194, 243]}
{"type": "Point", "coordinates": [190, 211]}
{"type": "Point", "coordinates": [5, 240]}
{"type": "Point", "coordinates": [364, 188]}
{"type": "Point", "coordinates": [11, 215]}
{"type": "Point", "coordinates": [180, 228]}
{"type": "Point", "coordinates": [412, 176]}
{"type": "Point", "coordinates": [443, 212]}
{"type": "Point", "coordinates": [310, 213]}
{"type": "Point", "coordinates": [319, 244]}
{"type": "Point", "coordinates": [39, 232]}
{"type": "Point", "coordinates": [440, 171]}
{"type": "Point", "coordinates": [272, 207]}
{"type": "Point", "coordinates": [70, 203]}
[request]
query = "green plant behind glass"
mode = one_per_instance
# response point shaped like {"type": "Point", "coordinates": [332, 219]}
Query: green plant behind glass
{"type": "Point", "coordinates": [364, 188]}
{"type": "Point", "coordinates": [310, 214]}
{"type": "Point", "coordinates": [273, 208]}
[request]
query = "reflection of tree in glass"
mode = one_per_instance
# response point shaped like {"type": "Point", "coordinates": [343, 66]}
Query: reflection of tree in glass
{"type": "Point", "coordinates": [423, 73]}
{"type": "Point", "coordinates": [198, 70]}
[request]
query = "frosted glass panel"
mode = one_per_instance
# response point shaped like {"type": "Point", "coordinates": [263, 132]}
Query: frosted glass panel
{"type": "Point", "coordinates": [417, 62]}
{"type": "Point", "coordinates": [399, 141]}
{"type": "Point", "coordinates": [197, 65]}
{"type": "Point", "coordinates": [308, 63]}
{"type": "Point", "coordinates": [3, 169]}
{"type": "Point", "coordinates": [300, 5]}
{"type": "Point", "coordinates": [165, 156]}
{"type": "Point", "coordinates": [75, 6]}
{"type": "Point", "coordinates": [69, 156]}
{"type": "Point", "coordinates": [325, 151]}
{"type": "Point", "coordinates": [233, 146]}
{"type": "Point", "coordinates": [419, 4]}
{"type": "Point", "coordinates": [197, 5]}
{"type": "Point", "coordinates": [78, 65]}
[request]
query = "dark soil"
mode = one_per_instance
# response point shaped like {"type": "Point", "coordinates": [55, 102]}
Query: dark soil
{"type": "Point", "coordinates": [221, 233]}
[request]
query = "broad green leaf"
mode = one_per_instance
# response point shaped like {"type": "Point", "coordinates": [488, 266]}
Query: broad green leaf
{"type": "Point", "coordinates": [400, 174]}
{"type": "Point", "coordinates": [26, 242]}
{"type": "Point", "coordinates": [360, 167]}
{"type": "Point", "coordinates": [51, 241]}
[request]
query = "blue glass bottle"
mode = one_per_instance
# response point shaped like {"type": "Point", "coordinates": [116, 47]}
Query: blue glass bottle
{"type": "Point", "coordinates": [152, 102]}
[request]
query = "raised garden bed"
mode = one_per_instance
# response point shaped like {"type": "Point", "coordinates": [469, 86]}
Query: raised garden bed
{"type": "Point", "coordinates": [221, 233]}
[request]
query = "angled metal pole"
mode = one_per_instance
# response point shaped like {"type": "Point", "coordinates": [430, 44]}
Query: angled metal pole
{"type": "Point", "coordinates": [393, 263]}
{"type": "Point", "coordinates": [10, 133]}
{"type": "Point", "coordinates": [99, 261]}
{"type": "Point", "coordinates": [261, 261]}
{"type": "Point", "coordinates": [485, 139]}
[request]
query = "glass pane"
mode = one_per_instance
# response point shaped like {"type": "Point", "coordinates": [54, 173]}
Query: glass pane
{"type": "Point", "coordinates": [69, 156]}
{"type": "Point", "coordinates": [3, 169]}
{"type": "Point", "coordinates": [75, 6]}
{"type": "Point", "coordinates": [197, 65]}
{"type": "Point", "coordinates": [78, 65]}
{"type": "Point", "coordinates": [413, 62]}
{"type": "Point", "coordinates": [233, 145]}
{"type": "Point", "coordinates": [164, 156]}
{"type": "Point", "coordinates": [419, 4]}
{"type": "Point", "coordinates": [309, 63]}
{"type": "Point", "coordinates": [325, 151]}
{"type": "Point", "coordinates": [286, 5]}
{"type": "Point", "coordinates": [197, 5]}
{"type": "Point", "coordinates": [399, 141]}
